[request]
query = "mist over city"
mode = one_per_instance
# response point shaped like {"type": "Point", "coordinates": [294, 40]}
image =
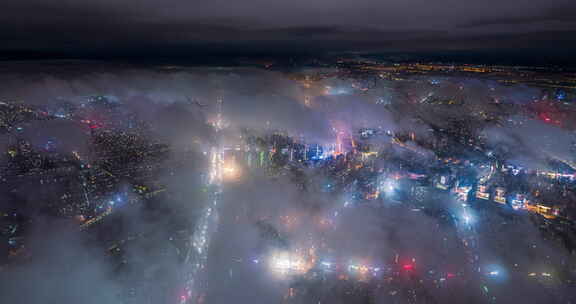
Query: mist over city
{"type": "Point", "coordinates": [300, 152]}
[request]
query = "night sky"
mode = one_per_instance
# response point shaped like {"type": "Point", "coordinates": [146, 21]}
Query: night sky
{"type": "Point", "coordinates": [177, 28]}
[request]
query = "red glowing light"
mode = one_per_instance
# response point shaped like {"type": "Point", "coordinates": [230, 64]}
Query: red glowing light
{"type": "Point", "coordinates": [450, 275]}
{"type": "Point", "coordinates": [408, 266]}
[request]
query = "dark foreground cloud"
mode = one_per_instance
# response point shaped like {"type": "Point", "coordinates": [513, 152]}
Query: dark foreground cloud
{"type": "Point", "coordinates": [65, 269]}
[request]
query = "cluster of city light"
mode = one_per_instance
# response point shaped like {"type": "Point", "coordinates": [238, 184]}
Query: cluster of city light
{"type": "Point", "coordinates": [289, 263]}
{"type": "Point", "coordinates": [329, 90]}
{"type": "Point", "coordinates": [495, 271]}
{"type": "Point", "coordinates": [543, 274]}
{"type": "Point", "coordinates": [289, 221]}
{"type": "Point", "coordinates": [285, 263]}
{"type": "Point", "coordinates": [230, 171]}
{"type": "Point", "coordinates": [222, 169]}
{"type": "Point", "coordinates": [362, 270]}
{"type": "Point", "coordinates": [389, 186]}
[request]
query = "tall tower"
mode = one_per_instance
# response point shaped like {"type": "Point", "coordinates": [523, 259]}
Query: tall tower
{"type": "Point", "coordinates": [219, 119]}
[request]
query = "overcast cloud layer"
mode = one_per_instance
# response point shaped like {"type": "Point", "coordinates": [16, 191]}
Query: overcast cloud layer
{"type": "Point", "coordinates": [146, 25]}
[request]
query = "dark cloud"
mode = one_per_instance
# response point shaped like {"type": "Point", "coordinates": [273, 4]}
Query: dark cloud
{"type": "Point", "coordinates": [113, 26]}
{"type": "Point", "coordinates": [66, 269]}
{"type": "Point", "coordinates": [560, 14]}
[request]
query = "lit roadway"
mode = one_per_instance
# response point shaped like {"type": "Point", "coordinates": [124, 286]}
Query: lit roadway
{"type": "Point", "coordinates": [197, 255]}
